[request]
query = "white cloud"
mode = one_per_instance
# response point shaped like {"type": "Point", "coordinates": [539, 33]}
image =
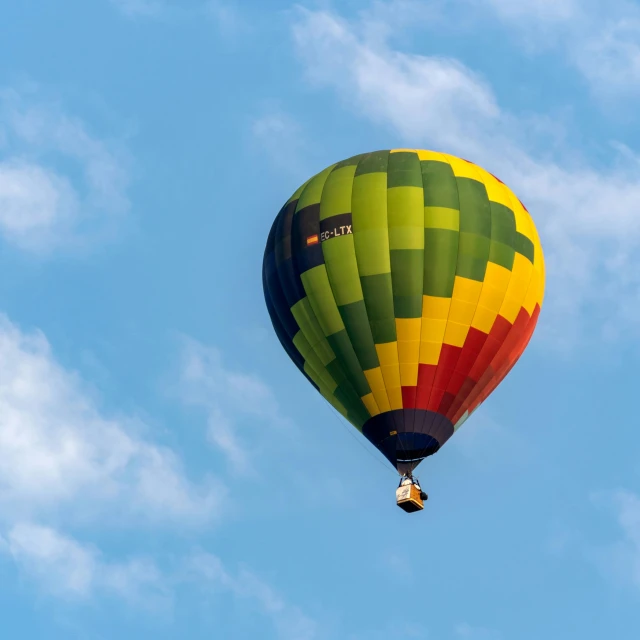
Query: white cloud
{"type": "Point", "coordinates": [60, 453]}
{"type": "Point", "coordinates": [61, 562]}
{"type": "Point", "coordinates": [65, 461]}
{"type": "Point", "coordinates": [60, 186]}
{"type": "Point", "coordinates": [34, 200]}
{"type": "Point", "coordinates": [290, 622]}
{"type": "Point", "coordinates": [608, 53]}
{"type": "Point", "coordinates": [65, 568]}
{"type": "Point", "coordinates": [416, 95]}
{"type": "Point", "coordinates": [230, 399]}
{"type": "Point", "coordinates": [601, 38]}
{"type": "Point", "coordinates": [586, 215]}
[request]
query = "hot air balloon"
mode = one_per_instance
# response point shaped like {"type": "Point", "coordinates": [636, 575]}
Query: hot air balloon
{"type": "Point", "coordinates": [404, 285]}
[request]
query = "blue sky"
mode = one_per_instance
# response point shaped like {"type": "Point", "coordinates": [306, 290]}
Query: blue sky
{"type": "Point", "coordinates": [165, 471]}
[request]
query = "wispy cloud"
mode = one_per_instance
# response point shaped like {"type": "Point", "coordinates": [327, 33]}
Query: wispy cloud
{"type": "Point", "coordinates": [60, 452]}
{"type": "Point", "coordinates": [231, 400]}
{"type": "Point", "coordinates": [35, 203]}
{"type": "Point", "coordinates": [66, 462]}
{"type": "Point", "coordinates": [601, 39]}
{"type": "Point", "coordinates": [586, 214]}
{"type": "Point", "coordinates": [608, 52]}
{"type": "Point", "coordinates": [60, 185]}
{"type": "Point", "coordinates": [65, 568]}
{"type": "Point", "coordinates": [290, 622]}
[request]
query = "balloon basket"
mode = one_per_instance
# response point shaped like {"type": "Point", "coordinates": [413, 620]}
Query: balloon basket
{"type": "Point", "coordinates": [409, 497]}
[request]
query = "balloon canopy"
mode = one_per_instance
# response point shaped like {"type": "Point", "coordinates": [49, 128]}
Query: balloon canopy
{"type": "Point", "coordinates": [404, 285]}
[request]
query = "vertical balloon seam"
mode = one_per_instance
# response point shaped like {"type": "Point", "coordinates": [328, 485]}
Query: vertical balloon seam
{"type": "Point", "coordinates": [513, 335]}
{"type": "Point", "coordinates": [421, 426]}
{"type": "Point", "coordinates": [364, 297]}
{"type": "Point", "coordinates": [310, 310]}
{"type": "Point", "coordinates": [480, 382]}
{"type": "Point", "coordinates": [508, 284]}
{"type": "Point", "coordinates": [395, 417]}
{"type": "Point", "coordinates": [333, 284]}
{"type": "Point", "coordinates": [409, 402]}
{"type": "Point", "coordinates": [399, 436]}
{"type": "Point", "coordinates": [397, 391]}
{"type": "Point", "coordinates": [351, 342]}
{"type": "Point", "coordinates": [364, 302]}
{"type": "Point", "coordinates": [415, 402]}
{"type": "Point", "coordinates": [509, 365]}
{"type": "Point", "coordinates": [318, 337]}
{"type": "Point", "coordinates": [280, 330]}
{"type": "Point", "coordinates": [512, 352]}
{"type": "Point", "coordinates": [436, 424]}
{"type": "Point", "coordinates": [451, 296]}
{"type": "Point", "coordinates": [460, 396]}
{"type": "Point", "coordinates": [361, 175]}
{"type": "Point", "coordinates": [342, 356]}
{"type": "Point", "coordinates": [477, 395]}
{"type": "Point", "coordinates": [347, 250]}
{"type": "Point", "coordinates": [434, 261]}
{"type": "Point", "coordinates": [477, 178]}
{"type": "Point", "coordinates": [512, 355]}
{"type": "Point", "coordinates": [275, 311]}
{"type": "Point", "coordinates": [384, 366]}
{"type": "Point", "coordinates": [411, 157]}
{"type": "Point", "coordinates": [472, 203]}
{"type": "Point", "coordinates": [396, 364]}
{"type": "Point", "coordinates": [355, 401]}
{"type": "Point", "coordinates": [416, 430]}
{"type": "Point", "coordinates": [279, 325]}
{"type": "Point", "coordinates": [404, 437]}
{"type": "Point", "coordinates": [381, 372]}
{"type": "Point", "coordinates": [280, 309]}
{"type": "Point", "coordinates": [313, 325]}
{"type": "Point", "coordinates": [516, 350]}
{"type": "Point", "coordinates": [433, 423]}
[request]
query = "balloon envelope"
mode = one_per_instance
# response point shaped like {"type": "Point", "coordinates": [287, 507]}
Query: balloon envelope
{"type": "Point", "coordinates": [404, 285]}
